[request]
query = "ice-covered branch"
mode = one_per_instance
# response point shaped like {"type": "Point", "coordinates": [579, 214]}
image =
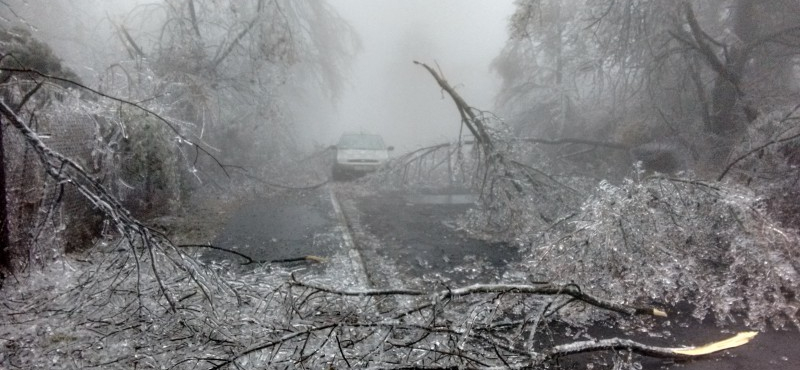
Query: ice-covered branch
{"type": "Point", "coordinates": [652, 351]}
{"type": "Point", "coordinates": [544, 289]}
{"type": "Point", "coordinates": [199, 148]}
{"type": "Point", "coordinates": [67, 171]}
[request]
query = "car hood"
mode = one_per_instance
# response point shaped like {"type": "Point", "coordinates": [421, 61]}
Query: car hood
{"type": "Point", "coordinates": [366, 154]}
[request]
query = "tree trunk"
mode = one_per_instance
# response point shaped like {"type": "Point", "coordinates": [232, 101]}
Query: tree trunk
{"type": "Point", "coordinates": [5, 247]}
{"type": "Point", "coordinates": [723, 99]}
{"type": "Point", "coordinates": [726, 93]}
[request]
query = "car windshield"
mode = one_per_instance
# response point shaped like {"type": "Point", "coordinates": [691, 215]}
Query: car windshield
{"type": "Point", "coordinates": [362, 141]}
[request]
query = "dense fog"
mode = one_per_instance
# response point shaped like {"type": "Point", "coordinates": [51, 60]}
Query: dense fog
{"type": "Point", "coordinates": [391, 96]}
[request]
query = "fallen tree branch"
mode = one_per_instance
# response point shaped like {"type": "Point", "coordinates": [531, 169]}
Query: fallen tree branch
{"type": "Point", "coordinates": [543, 289]}
{"type": "Point", "coordinates": [596, 143]}
{"type": "Point", "coordinates": [605, 144]}
{"type": "Point", "coordinates": [497, 163]}
{"type": "Point", "coordinates": [250, 260]}
{"type": "Point", "coordinates": [652, 351]}
{"type": "Point", "coordinates": [267, 345]}
{"type": "Point", "coordinates": [468, 117]}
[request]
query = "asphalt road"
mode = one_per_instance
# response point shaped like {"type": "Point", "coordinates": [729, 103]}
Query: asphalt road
{"type": "Point", "coordinates": [416, 235]}
{"type": "Point", "coordinates": [293, 225]}
{"type": "Point", "coordinates": [393, 237]}
{"type": "Point", "coordinates": [410, 240]}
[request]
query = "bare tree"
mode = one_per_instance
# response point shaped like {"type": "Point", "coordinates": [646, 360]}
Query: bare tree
{"type": "Point", "coordinates": [753, 32]}
{"type": "Point", "coordinates": [228, 67]}
{"type": "Point", "coordinates": [637, 72]}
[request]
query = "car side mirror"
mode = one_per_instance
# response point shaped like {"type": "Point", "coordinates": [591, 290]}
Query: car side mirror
{"type": "Point", "coordinates": [390, 148]}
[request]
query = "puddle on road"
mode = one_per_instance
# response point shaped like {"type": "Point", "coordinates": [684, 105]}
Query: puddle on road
{"type": "Point", "coordinates": [441, 198]}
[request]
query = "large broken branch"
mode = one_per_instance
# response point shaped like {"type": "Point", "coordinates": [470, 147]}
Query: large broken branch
{"type": "Point", "coordinates": [468, 117]}
{"type": "Point", "coordinates": [66, 170]}
{"type": "Point", "coordinates": [250, 260]}
{"type": "Point", "coordinates": [543, 289]}
{"type": "Point", "coordinates": [652, 351]}
{"type": "Point", "coordinates": [506, 185]}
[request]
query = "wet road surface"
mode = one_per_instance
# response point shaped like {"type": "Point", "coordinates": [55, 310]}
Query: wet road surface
{"type": "Point", "coordinates": [293, 225]}
{"type": "Point", "coordinates": [416, 234]}
{"type": "Point", "coordinates": [410, 240]}
{"type": "Point", "coordinates": [394, 237]}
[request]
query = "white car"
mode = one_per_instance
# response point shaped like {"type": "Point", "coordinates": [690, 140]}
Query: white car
{"type": "Point", "coordinates": [358, 154]}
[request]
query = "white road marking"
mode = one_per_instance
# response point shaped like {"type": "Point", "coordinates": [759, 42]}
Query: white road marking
{"type": "Point", "coordinates": [356, 261]}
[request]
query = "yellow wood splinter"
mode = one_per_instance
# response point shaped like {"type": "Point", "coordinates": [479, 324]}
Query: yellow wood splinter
{"type": "Point", "coordinates": [735, 341]}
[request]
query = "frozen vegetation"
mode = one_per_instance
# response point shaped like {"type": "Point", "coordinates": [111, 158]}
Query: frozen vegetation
{"type": "Point", "coordinates": [682, 190]}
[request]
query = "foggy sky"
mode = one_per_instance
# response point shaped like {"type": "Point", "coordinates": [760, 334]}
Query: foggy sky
{"type": "Point", "coordinates": [391, 96]}
{"type": "Point", "coordinates": [387, 93]}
